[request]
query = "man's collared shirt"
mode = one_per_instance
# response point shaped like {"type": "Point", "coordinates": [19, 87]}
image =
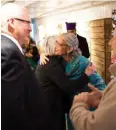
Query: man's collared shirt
{"type": "Point", "coordinates": [14, 40]}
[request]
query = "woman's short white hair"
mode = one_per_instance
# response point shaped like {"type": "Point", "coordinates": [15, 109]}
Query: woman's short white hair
{"type": "Point", "coordinates": [49, 45]}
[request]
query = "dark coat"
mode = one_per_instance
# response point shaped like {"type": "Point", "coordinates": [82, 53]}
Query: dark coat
{"type": "Point", "coordinates": [83, 46]}
{"type": "Point", "coordinates": [23, 102]}
{"type": "Point", "coordinates": [56, 84]}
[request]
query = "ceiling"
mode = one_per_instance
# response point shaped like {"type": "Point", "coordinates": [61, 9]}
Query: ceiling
{"type": "Point", "coordinates": [40, 8]}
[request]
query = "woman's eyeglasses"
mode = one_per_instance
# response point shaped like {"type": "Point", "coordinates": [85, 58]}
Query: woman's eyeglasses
{"type": "Point", "coordinates": [60, 44]}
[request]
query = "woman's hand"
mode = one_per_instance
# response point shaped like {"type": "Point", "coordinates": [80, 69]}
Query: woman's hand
{"type": "Point", "coordinates": [43, 58]}
{"type": "Point", "coordinates": [90, 69]}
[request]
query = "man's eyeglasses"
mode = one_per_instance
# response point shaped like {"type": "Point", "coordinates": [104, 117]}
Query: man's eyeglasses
{"type": "Point", "coordinates": [22, 20]}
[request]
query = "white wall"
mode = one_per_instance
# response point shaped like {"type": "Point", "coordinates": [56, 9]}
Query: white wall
{"type": "Point", "coordinates": [51, 22]}
{"type": "Point", "coordinates": [98, 12]}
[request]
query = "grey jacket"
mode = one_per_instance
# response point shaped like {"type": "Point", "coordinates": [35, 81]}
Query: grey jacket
{"type": "Point", "coordinates": [104, 117]}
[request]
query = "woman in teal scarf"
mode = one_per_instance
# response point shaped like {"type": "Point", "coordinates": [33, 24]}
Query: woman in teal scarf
{"type": "Point", "coordinates": [67, 47]}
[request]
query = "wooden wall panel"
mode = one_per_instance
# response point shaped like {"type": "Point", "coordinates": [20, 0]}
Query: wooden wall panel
{"type": "Point", "coordinates": [100, 34]}
{"type": "Point", "coordinates": [97, 30]}
{"type": "Point", "coordinates": [100, 54]}
{"type": "Point", "coordinates": [98, 41]}
{"type": "Point", "coordinates": [97, 23]}
{"type": "Point", "coordinates": [97, 35]}
{"type": "Point", "coordinates": [97, 47]}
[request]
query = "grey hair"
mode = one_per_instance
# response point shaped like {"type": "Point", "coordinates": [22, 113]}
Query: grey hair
{"type": "Point", "coordinates": [13, 11]}
{"type": "Point", "coordinates": [49, 45]}
{"type": "Point", "coordinates": [72, 41]}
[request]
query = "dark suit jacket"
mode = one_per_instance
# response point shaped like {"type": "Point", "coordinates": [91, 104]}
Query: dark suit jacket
{"type": "Point", "coordinates": [57, 86]}
{"type": "Point", "coordinates": [23, 103]}
{"type": "Point", "coordinates": [83, 46]}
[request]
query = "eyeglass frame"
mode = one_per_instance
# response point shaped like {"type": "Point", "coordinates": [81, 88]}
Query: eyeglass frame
{"type": "Point", "coordinates": [61, 44]}
{"type": "Point", "coordinates": [22, 20]}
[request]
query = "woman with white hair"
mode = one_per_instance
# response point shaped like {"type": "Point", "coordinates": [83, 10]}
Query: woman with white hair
{"type": "Point", "coordinates": [67, 47]}
{"type": "Point", "coordinates": [57, 85]}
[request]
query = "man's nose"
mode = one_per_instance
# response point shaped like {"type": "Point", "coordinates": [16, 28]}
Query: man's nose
{"type": "Point", "coordinates": [30, 28]}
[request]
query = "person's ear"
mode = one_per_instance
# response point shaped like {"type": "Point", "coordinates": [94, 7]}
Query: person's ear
{"type": "Point", "coordinates": [69, 50]}
{"type": "Point", "coordinates": [11, 23]}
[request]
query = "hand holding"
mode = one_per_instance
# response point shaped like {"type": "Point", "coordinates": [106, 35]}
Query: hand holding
{"type": "Point", "coordinates": [82, 97]}
{"type": "Point", "coordinates": [91, 99]}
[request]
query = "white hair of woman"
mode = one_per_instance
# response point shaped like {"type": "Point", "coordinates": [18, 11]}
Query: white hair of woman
{"type": "Point", "coordinates": [49, 45]}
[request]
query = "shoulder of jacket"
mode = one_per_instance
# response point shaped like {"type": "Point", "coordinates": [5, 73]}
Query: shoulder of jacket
{"type": "Point", "coordinates": [78, 36]}
{"type": "Point", "coordinates": [111, 85]}
{"type": "Point", "coordinates": [7, 44]}
{"type": "Point", "coordinates": [53, 61]}
{"type": "Point", "coordinates": [8, 48]}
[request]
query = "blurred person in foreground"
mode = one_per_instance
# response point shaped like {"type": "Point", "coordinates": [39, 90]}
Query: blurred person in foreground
{"type": "Point", "coordinates": [23, 103]}
{"type": "Point", "coordinates": [103, 118]}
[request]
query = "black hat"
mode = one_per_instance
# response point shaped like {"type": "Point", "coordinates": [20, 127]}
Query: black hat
{"type": "Point", "coordinates": [70, 26]}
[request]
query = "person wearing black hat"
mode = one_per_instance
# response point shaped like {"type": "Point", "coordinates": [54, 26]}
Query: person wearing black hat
{"type": "Point", "coordinates": [83, 45]}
